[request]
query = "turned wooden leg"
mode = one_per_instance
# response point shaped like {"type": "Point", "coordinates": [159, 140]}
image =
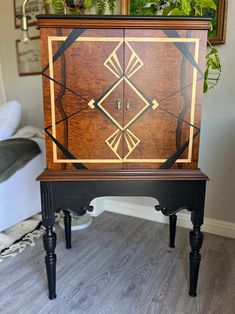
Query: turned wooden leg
{"type": "Point", "coordinates": [49, 241]}
{"type": "Point", "coordinates": [49, 238]}
{"type": "Point", "coordinates": [67, 228]}
{"type": "Point", "coordinates": [196, 239]}
{"type": "Point", "coordinates": [172, 229]}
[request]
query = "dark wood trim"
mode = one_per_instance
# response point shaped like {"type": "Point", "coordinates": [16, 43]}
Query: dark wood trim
{"type": "Point", "coordinates": [122, 175]}
{"type": "Point", "coordinates": [149, 22]}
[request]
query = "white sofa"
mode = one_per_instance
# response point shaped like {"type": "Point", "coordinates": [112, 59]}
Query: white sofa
{"type": "Point", "coordinates": [20, 194]}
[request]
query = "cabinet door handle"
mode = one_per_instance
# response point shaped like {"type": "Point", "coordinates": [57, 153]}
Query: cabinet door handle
{"type": "Point", "coordinates": [118, 102]}
{"type": "Point", "coordinates": [128, 104]}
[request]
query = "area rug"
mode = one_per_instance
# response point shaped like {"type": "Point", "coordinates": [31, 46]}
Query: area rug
{"type": "Point", "coordinates": [15, 239]}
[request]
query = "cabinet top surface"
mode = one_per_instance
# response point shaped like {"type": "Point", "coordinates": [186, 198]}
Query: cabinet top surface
{"type": "Point", "coordinates": [123, 175]}
{"type": "Point", "coordinates": [121, 17]}
{"type": "Point", "coordinates": [123, 21]}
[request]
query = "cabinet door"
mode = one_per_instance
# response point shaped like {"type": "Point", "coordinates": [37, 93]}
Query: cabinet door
{"type": "Point", "coordinates": [163, 91]}
{"type": "Point", "coordinates": [83, 97]}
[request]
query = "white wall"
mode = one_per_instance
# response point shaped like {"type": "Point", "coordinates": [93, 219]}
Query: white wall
{"type": "Point", "coordinates": [217, 153]}
{"type": "Point", "coordinates": [217, 149]}
{"type": "Point", "coordinates": [27, 89]}
{"type": "Point", "coordinates": [2, 88]}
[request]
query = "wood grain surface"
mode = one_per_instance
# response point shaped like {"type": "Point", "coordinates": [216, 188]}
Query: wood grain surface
{"type": "Point", "coordinates": [123, 98]}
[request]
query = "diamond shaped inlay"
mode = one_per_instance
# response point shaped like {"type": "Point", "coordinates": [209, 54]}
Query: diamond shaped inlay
{"type": "Point", "coordinates": [133, 64]}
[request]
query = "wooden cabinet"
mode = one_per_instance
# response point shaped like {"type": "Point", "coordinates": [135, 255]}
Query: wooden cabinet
{"type": "Point", "coordinates": [122, 98]}
{"type": "Point", "coordinates": [122, 92]}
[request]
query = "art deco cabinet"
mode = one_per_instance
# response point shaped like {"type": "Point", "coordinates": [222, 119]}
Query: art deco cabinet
{"type": "Point", "coordinates": [122, 105]}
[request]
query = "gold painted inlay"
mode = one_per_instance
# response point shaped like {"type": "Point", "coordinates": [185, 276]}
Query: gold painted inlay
{"type": "Point", "coordinates": [91, 104]}
{"type": "Point", "coordinates": [155, 104]}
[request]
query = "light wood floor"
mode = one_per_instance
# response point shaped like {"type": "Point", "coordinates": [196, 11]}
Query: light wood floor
{"type": "Point", "coordinates": [121, 265]}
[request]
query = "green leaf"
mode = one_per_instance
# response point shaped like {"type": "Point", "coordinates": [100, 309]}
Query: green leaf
{"type": "Point", "coordinates": [112, 4]}
{"type": "Point", "coordinates": [186, 6]}
{"type": "Point", "coordinates": [101, 6]}
{"type": "Point", "coordinates": [58, 6]}
{"type": "Point", "coordinates": [211, 78]}
{"type": "Point", "coordinates": [176, 11]}
{"type": "Point", "coordinates": [167, 10]}
{"type": "Point", "coordinates": [205, 88]}
{"type": "Point", "coordinates": [208, 4]}
{"type": "Point", "coordinates": [88, 4]}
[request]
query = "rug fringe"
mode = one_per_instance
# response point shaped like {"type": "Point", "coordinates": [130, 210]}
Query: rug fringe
{"type": "Point", "coordinates": [27, 240]}
{"type": "Point", "coordinates": [19, 247]}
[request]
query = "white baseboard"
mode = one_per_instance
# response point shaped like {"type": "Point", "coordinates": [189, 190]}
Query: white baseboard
{"type": "Point", "coordinates": [214, 226]}
{"type": "Point", "coordinates": [99, 206]}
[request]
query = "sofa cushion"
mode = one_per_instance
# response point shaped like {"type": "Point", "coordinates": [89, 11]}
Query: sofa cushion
{"type": "Point", "coordinates": [15, 153]}
{"type": "Point", "coordinates": [10, 115]}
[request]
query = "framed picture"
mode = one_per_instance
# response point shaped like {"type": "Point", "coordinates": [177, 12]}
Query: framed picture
{"type": "Point", "coordinates": [219, 22]}
{"type": "Point", "coordinates": [219, 17]}
{"type": "Point", "coordinates": [33, 8]}
{"type": "Point", "coordinates": [28, 57]}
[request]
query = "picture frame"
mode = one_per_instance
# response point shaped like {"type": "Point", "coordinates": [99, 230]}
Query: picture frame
{"type": "Point", "coordinates": [28, 57]}
{"type": "Point", "coordinates": [219, 20]}
{"type": "Point", "coordinates": [33, 8]}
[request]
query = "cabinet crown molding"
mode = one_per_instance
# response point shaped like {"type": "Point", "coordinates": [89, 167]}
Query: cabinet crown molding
{"type": "Point", "coordinates": [121, 21]}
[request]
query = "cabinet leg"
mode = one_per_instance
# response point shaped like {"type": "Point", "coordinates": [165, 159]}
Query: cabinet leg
{"type": "Point", "coordinates": [172, 229]}
{"type": "Point", "coordinates": [196, 239]}
{"type": "Point", "coordinates": [67, 228]}
{"type": "Point", "coordinates": [49, 240]}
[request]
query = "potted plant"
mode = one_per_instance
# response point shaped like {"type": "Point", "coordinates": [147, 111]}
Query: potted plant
{"type": "Point", "coordinates": [79, 6]}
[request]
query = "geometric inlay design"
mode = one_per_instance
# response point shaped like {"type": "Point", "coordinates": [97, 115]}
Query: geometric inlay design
{"type": "Point", "coordinates": [134, 63]}
{"type": "Point", "coordinates": [115, 64]}
{"type": "Point", "coordinates": [115, 139]}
